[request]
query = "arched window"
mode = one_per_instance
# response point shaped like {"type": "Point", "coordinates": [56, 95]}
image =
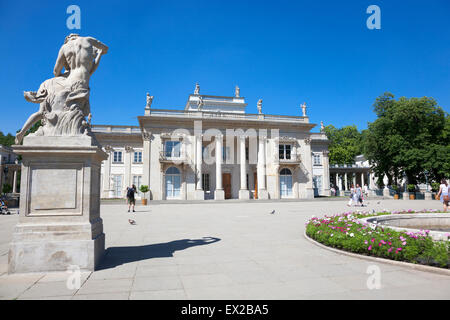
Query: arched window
{"type": "Point", "coordinates": [173, 170]}
{"type": "Point", "coordinates": [285, 183]}
{"type": "Point", "coordinates": [173, 183]}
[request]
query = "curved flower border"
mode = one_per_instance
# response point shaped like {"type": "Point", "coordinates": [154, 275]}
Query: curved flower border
{"type": "Point", "coordinates": [345, 231]}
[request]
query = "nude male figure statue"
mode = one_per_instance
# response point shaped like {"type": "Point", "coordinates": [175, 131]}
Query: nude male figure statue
{"type": "Point", "coordinates": [80, 57]}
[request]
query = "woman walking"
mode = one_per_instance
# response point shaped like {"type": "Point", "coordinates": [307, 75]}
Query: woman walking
{"type": "Point", "coordinates": [444, 194]}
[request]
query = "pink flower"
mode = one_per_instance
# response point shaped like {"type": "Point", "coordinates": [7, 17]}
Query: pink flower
{"type": "Point", "coordinates": [390, 249]}
{"type": "Point", "coordinates": [370, 248]}
{"type": "Point", "coordinates": [373, 240]}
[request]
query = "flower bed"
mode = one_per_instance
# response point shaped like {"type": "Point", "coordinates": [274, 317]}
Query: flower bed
{"type": "Point", "coordinates": [346, 232]}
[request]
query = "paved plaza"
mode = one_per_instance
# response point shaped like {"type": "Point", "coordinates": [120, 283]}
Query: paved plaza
{"type": "Point", "coordinates": [233, 250]}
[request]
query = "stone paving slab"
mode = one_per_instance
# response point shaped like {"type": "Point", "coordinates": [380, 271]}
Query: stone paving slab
{"type": "Point", "coordinates": [251, 255]}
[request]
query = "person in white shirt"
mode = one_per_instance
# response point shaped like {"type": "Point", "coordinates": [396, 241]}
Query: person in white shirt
{"type": "Point", "coordinates": [444, 193]}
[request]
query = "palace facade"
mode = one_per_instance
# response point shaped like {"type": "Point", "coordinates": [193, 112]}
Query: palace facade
{"type": "Point", "coordinates": [213, 149]}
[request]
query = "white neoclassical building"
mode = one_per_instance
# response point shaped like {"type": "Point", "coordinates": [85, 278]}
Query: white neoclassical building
{"type": "Point", "coordinates": [213, 149]}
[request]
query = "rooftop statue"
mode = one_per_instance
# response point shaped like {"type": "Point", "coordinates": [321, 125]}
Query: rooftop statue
{"type": "Point", "coordinates": [149, 100]}
{"type": "Point", "coordinates": [322, 127]}
{"type": "Point", "coordinates": [237, 92]}
{"type": "Point", "coordinates": [259, 106]}
{"type": "Point", "coordinates": [303, 106]}
{"type": "Point", "coordinates": [197, 89]}
{"type": "Point", "coordinates": [64, 99]}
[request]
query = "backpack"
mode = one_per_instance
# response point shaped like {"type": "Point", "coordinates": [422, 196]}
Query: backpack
{"type": "Point", "coordinates": [130, 193]}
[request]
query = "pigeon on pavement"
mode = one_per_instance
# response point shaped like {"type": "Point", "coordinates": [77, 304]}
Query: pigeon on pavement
{"type": "Point", "coordinates": [131, 221]}
{"type": "Point", "coordinates": [273, 212]}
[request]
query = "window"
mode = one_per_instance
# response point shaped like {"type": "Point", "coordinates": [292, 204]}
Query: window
{"type": "Point", "coordinates": [317, 160]}
{"type": "Point", "coordinates": [246, 153]}
{"type": "Point", "coordinates": [137, 157]}
{"type": "Point", "coordinates": [117, 156]}
{"type": "Point", "coordinates": [285, 151]}
{"type": "Point", "coordinates": [286, 183]}
{"type": "Point", "coordinates": [117, 185]}
{"type": "Point", "coordinates": [173, 183]}
{"type": "Point", "coordinates": [205, 181]}
{"type": "Point", "coordinates": [137, 181]}
{"type": "Point", "coordinates": [172, 149]}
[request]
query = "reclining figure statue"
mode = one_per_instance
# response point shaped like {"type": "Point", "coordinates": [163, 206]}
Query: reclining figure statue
{"type": "Point", "coordinates": [64, 99]}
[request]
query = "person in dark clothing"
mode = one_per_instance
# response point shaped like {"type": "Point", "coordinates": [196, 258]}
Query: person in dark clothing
{"type": "Point", "coordinates": [130, 197]}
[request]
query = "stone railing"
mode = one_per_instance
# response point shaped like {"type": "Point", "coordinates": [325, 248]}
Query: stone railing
{"type": "Point", "coordinates": [115, 129]}
{"type": "Point", "coordinates": [295, 158]}
{"type": "Point", "coordinates": [225, 115]}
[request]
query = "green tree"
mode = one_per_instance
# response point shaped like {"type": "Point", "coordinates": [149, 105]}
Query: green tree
{"type": "Point", "coordinates": [409, 136]}
{"type": "Point", "coordinates": [6, 140]}
{"type": "Point", "coordinates": [345, 144]}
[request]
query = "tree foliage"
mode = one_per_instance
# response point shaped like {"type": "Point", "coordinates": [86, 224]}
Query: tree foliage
{"type": "Point", "coordinates": [6, 140]}
{"type": "Point", "coordinates": [410, 136]}
{"type": "Point", "coordinates": [345, 144]}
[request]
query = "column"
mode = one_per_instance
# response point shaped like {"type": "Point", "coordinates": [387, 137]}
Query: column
{"type": "Point", "coordinates": [354, 179]}
{"type": "Point", "coordinates": [326, 173]}
{"type": "Point", "coordinates": [362, 179]}
{"type": "Point", "coordinates": [243, 192]}
{"type": "Point", "coordinates": [146, 163]}
{"type": "Point", "coordinates": [15, 181]}
{"type": "Point", "coordinates": [261, 168]}
{"type": "Point", "coordinates": [346, 182]}
{"type": "Point", "coordinates": [127, 166]}
{"type": "Point", "coordinates": [219, 193]}
{"type": "Point", "coordinates": [199, 193]}
{"type": "Point", "coordinates": [107, 188]}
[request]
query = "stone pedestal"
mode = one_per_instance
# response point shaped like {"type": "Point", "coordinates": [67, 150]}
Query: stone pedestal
{"type": "Point", "coordinates": [59, 223]}
{"type": "Point", "coordinates": [386, 193]}
{"type": "Point", "coordinates": [244, 194]}
{"type": "Point", "coordinates": [428, 195]}
{"type": "Point", "coordinates": [405, 195]}
{"type": "Point", "coordinates": [219, 195]}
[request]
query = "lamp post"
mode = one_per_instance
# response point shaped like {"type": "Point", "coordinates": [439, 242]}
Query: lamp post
{"type": "Point", "coordinates": [428, 195]}
{"type": "Point", "coordinates": [404, 179]}
{"type": "Point", "coordinates": [426, 177]}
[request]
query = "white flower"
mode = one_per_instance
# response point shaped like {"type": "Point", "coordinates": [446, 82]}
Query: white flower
{"type": "Point", "coordinates": [352, 235]}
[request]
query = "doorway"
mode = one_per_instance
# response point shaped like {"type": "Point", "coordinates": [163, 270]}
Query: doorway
{"type": "Point", "coordinates": [226, 181]}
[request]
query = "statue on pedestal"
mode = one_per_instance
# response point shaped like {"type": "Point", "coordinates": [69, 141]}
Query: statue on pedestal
{"type": "Point", "coordinates": [259, 106]}
{"type": "Point", "coordinates": [237, 92]}
{"type": "Point", "coordinates": [149, 100]}
{"type": "Point", "coordinates": [64, 99]}
{"type": "Point", "coordinates": [303, 106]}
{"type": "Point", "coordinates": [322, 127]}
{"type": "Point", "coordinates": [197, 89]}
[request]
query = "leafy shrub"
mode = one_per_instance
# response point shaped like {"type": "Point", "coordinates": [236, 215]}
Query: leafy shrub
{"type": "Point", "coordinates": [435, 186]}
{"type": "Point", "coordinates": [411, 187]}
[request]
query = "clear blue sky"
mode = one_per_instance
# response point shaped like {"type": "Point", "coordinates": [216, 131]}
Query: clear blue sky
{"type": "Point", "coordinates": [285, 52]}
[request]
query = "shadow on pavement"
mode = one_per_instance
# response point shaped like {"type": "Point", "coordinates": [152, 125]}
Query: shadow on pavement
{"type": "Point", "coordinates": [115, 256]}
